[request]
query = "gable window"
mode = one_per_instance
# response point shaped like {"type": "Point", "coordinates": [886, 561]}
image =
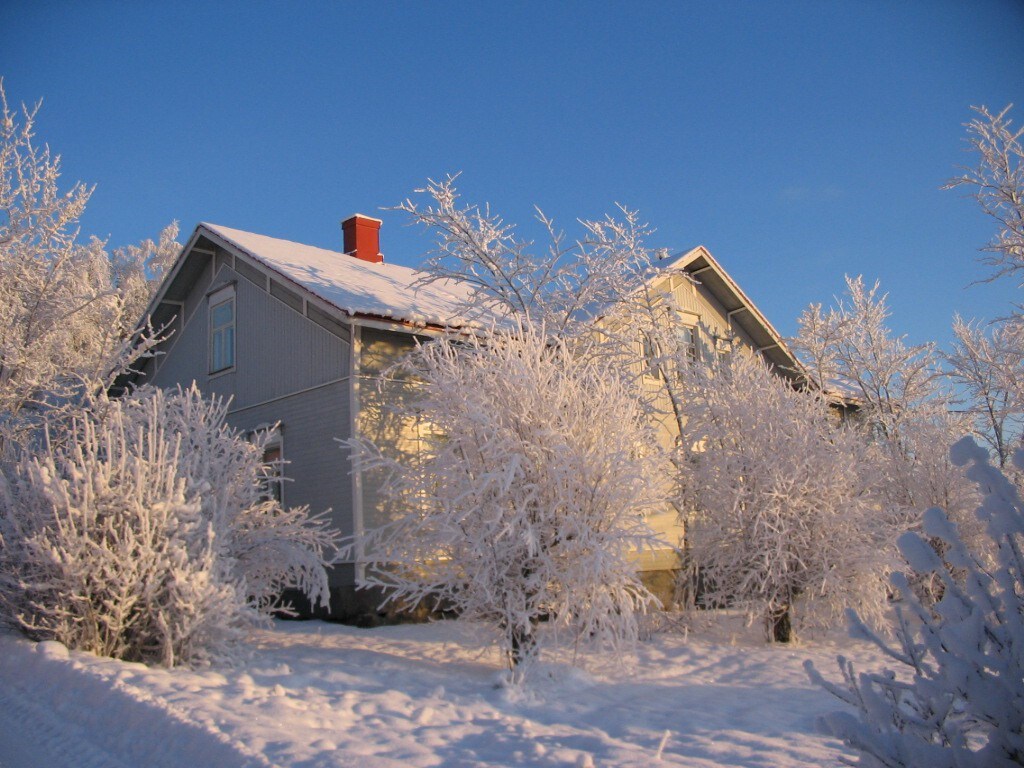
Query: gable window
{"type": "Point", "coordinates": [222, 330]}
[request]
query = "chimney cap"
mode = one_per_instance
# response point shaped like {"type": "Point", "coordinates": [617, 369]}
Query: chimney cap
{"type": "Point", "coordinates": [363, 217]}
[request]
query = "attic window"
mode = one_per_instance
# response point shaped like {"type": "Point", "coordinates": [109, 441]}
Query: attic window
{"type": "Point", "coordinates": [222, 330]}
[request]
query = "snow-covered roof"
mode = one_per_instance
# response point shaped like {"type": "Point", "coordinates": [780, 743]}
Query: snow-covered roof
{"type": "Point", "coordinates": [354, 286]}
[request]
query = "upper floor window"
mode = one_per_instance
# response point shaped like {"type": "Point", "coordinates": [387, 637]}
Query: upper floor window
{"type": "Point", "coordinates": [222, 330]}
{"type": "Point", "coordinates": [651, 356]}
{"type": "Point", "coordinates": [687, 335]}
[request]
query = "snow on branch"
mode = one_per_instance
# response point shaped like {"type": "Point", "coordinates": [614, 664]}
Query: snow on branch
{"type": "Point", "coordinates": [142, 535]}
{"type": "Point", "coordinates": [957, 699]}
{"type": "Point", "coordinates": [528, 500]}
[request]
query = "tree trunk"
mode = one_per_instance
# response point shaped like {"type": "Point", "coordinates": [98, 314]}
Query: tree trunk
{"type": "Point", "coordinates": [524, 646]}
{"type": "Point", "coordinates": [780, 627]}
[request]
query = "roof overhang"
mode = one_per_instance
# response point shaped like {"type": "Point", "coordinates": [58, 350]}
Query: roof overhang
{"type": "Point", "coordinates": [699, 265]}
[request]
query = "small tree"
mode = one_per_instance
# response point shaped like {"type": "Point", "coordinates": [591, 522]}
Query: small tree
{"type": "Point", "coordinates": [143, 536]}
{"type": "Point", "coordinates": [596, 293]}
{"type": "Point", "coordinates": [959, 698]}
{"type": "Point", "coordinates": [529, 498]}
{"type": "Point", "coordinates": [785, 524]}
{"type": "Point", "coordinates": [988, 365]}
{"type": "Point", "coordinates": [903, 413]}
{"type": "Point", "coordinates": [851, 346]}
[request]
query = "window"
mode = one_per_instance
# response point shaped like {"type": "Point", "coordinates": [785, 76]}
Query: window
{"type": "Point", "coordinates": [272, 482]}
{"type": "Point", "coordinates": [652, 356]}
{"type": "Point", "coordinates": [271, 438]}
{"type": "Point", "coordinates": [222, 331]}
{"type": "Point", "coordinates": [725, 348]}
{"type": "Point", "coordinates": [688, 343]}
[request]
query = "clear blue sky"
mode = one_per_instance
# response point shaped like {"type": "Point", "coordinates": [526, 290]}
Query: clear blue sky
{"type": "Point", "coordinates": [798, 141]}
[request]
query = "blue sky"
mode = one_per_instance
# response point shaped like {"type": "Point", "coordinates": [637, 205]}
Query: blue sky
{"type": "Point", "coordinates": [798, 141]}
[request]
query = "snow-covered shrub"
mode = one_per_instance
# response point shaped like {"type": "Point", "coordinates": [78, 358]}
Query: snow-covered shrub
{"type": "Point", "coordinates": [958, 698]}
{"type": "Point", "coordinates": [784, 525]}
{"type": "Point", "coordinates": [142, 534]}
{"type": "Point", "coordinates": [529, 498]}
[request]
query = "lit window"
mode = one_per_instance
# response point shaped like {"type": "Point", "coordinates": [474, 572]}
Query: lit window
{"type": "Point", "coordinates": [222, 334]}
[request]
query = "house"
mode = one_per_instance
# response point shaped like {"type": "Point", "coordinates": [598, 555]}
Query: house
{"type": "Point", "coordinates": [297, 336]}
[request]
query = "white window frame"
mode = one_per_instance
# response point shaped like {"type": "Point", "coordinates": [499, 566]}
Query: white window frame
{"type": "Point", "coordinates": [689, 339]}
{"type": "Point", "coordinates": [216, 300]}
{"type": "Point", "coordinates": [273, 470]}
{"type": "Point", "coordinates": [273, 477]}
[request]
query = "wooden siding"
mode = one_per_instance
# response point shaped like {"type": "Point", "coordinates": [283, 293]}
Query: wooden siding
{"type": "Point", "coordinates": [288, 370]}
{"type": "Point", "coordinates": [196, 297]}
{"type": "Point", "coordinates": [318, 468]}
{"type": "Point", "coordinates": [700, 309]}
{"type": "Point", "coordinates": [713, 318]}
{"type": "Point", "coordinates": [277, 351]}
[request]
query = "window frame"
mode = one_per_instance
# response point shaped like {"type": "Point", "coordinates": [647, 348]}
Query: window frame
{"type": "Point", "coordinates": [272, 477]}
{"type": "Point", "coordinates": [689, 339]}
{"type": "Point", "coordinates": [272, 481]}
{"type": "Point", "coordinates": [223, 297]}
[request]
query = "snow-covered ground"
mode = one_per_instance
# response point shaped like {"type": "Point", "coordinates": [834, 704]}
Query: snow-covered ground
{"type": "Point", "coordinates": [317, 695]}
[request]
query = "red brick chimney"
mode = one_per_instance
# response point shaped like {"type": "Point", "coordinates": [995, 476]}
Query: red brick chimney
{"type": "Point", "coordinates": [362, 238]}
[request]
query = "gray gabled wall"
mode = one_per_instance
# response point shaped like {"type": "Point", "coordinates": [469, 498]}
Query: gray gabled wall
{"type": "Point", "coordinates": [288, 369]}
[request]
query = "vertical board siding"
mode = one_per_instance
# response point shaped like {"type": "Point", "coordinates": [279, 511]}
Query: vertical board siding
{"type": "Point", "coordinates": [287, 369]}
{"type": "Point", "coordinates": [186, 359]}
{"type": "Point", "coordinates": [277, 351]}
{"type": "Point", "coordinates": [318, 468]}
{"type": "Point", "coordinates": [197, 296]}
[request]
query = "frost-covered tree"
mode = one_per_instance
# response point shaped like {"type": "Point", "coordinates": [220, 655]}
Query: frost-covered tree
{"type": "Point", "coordinates": [998, 186]}
{"type": "Point", "coordinates": [851, 346]}
{"type": "Point", "coordinates": [66, 308]}
{"type": "Point", "coordinates": [904, 413]}
{"type": "Point", "coordinates": [988, 362]}
{"type": "Point", "coordinates": [596, 293]}
{"type": "Point", "coordinates": [957, 698]}
{"type": "Point", "coordinates": [137, 272]}
{"type": "Point", "coordinates": [529, 498]}
{"type": "Point", "coordinates": [143, 535]}
{"type": "Point", "coordinates": [564, 286]}
{"type": "Point", "coordinates": [988, 365]}
{"type": "Point", "coordinates": [785, 523]}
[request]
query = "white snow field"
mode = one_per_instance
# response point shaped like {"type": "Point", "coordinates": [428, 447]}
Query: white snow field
{"type": "Point", "coordinates": [315, 695]}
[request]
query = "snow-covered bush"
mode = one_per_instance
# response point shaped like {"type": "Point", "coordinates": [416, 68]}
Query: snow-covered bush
{"type": "Point", "coordinates": [958, 698]}
{"type": "Point", "coordinates": [142, 534]}
{"type": "Point", "coordinates": [528, 500]}
{"type": "Point", "coordinates": [785, 524]}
